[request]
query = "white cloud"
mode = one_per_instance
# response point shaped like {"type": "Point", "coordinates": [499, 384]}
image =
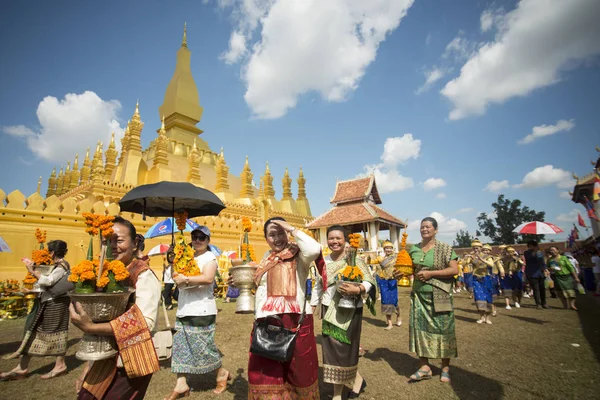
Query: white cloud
{"type": "Point", "coordinates": [428, 39]}
{"type": "Point", "coordinates": [459, 48]}
{"type": "Point", "coordinates": [545, 176]}
{"type": "Point", "coordinates": [298, 47]}
{"type": "Point", "coordinates": [497, 186]}
{"type": "Point", "coordinates": [398, 150]}
{"type": "Point", "coordinates": [490, 18]}
{"type": "Point", "coordinates": [448, 226]}
{"type": "Point", "coordinates": [431, 76]}
{"type": "Point", "coordinates": [237, 48]}
{"type": "Point", "coordinates": [570, 217]}
{"type": "Point", "coordinates": [565, 195]}
{"type": "Point", "coordinates": [441, 195]}
{"type": "Point", "coordinates": [433, 183]}
{"type": "Point", "coordinates": [389, 180]}
{"type": "Point", "coordinates": [70, 125]}
{"type": "Point", "coordinates": [465, 210]}
{"type": "Point", "coordinates": [538, 41]}
{"type": "Point", "coordinates": [547, 130]}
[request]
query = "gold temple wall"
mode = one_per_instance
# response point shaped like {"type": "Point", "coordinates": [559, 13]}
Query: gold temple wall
{"type": "Point", "coordinates": [62, 219]}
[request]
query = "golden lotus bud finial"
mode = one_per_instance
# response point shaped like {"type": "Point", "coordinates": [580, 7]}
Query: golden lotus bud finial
{"type": "Point", "coordinates": [163, 124]}
{"type": "Point", "coordinates": [195, 148]}
{"type": "Point", "coordinates": [112, 138]}
{"type": "Point", "coordinates": [87, 153]}
{"type": "Point", "coordinates": [570, 193]}
{"type": "Point", "coordinates": [222, 154]}
{"type": "Point", "coordinates": [575, 176]}
{"type": "Point", "coordinates": [267, 170]}
{"type": "Point", "coordinates": [137, 107]}
{"type": "Point", "coordinates": [598, 149]}
{"type": "Point", "coordinates": [184, 40]}
{"type": "Point", "coordinates": [247, 163]}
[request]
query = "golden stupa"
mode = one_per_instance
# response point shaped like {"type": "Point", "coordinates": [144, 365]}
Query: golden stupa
{"type": "Point", "coordinates": [177, 153]}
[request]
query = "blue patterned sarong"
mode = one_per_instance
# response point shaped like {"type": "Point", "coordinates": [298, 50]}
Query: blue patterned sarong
{"type": "Point", "coordinates": [194, 349]}
{"type": "Point", "coordinates": [389, 295]}
{"type": "Point", "coordinates": [468, 276]}
{"type": "Point", "coordinates": [482, 291]}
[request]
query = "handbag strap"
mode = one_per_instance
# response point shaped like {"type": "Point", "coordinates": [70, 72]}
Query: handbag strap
{"type": "Point", "coordinates": [165, 314]}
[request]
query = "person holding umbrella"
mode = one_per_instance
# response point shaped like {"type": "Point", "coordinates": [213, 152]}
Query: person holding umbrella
{"type": "Point", "coordinates": [536, 271]}
{"type": "Point", "coordinates": [194, 348]}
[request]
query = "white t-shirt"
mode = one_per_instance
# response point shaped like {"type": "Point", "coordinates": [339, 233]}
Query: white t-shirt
{"type": "Point", "coordinates": [198, 301]}
{"type": "Point", "coordinates": [168, 274]}
{"type": "Point", "coordinates": [596, 261]}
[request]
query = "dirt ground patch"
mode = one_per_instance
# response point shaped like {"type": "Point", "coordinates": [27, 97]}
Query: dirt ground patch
{"type": "Point", "coordinates": [526, 354]}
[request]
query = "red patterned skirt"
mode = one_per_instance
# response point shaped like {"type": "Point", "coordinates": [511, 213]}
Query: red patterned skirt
{"type": "Point", "coordinates": [296, 379]}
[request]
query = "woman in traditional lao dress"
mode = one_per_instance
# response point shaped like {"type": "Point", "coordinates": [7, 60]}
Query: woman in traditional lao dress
{"type": "Point", "coordinates": [496, 272]}
{"type": "Point", "coordinates": [482, 285]}
{"type": "Point", "coordinates": [194, 348]}
{"type": "Point", "coordinates": [281, 280]}
{"type": "Point", "coordinates": [46, 328]}
{"type": "Point", "coordinates": [431, 329]}
{"type": "Point", "coordinates": [342, 326]}
{"type": "Point", "coordinates": [128, 375]}
{"type": "Point", "coordinates": [565, 276]}
{"type": "Point", "coordinates": [512, 283]}
{"type": "Point", "coordinates": [388, 286]}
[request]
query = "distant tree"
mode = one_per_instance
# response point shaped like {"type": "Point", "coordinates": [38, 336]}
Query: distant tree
{"type": "Point", "coordinates": [508, 215]}
{"type": "Point", "coordinates": [463, 239]}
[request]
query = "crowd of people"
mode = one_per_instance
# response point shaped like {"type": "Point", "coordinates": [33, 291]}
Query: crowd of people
{"type": "Point", "coordinates": [281, 293]}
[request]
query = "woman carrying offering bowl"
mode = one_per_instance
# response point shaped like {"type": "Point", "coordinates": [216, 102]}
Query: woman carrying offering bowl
{"type": "Point", "coordinates": [46, 327]}
{"type": "Point", "coordinates": [127, 375]}
{"type": "Point", "coordinates": [342, 326]}
{"type": "Point", "coordinates": [431, 328]}
{"type": "Point", "coordinates": [281, 278]}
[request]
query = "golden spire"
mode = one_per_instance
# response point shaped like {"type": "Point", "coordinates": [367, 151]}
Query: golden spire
{"type": "Point", "coordinates": [184, 40]}
{"type": "Point", "coordinates": [51, 183]}
{"type": "Point", "coordinates": [59, 182]}
{"type": "Point", "coordinates": [110, 158]}
{"type": "Point", "coordinates": [222, 171]}
{"type": "Point", "coordinates": [301, 188]}
{"type": "Point", "coordinates": [194, 165]}
{"type": "Point", "coordinates": [268, 182]}
{"type": "Point", "coordinates": [75, 173]}
{"type": "Point", "coordinates": [246, 177]}
{"type": "Point", "coordinates": [67, 178]}
{"type": "Point", "coordinates": [287, 185]}
{"type": "Point", "coordinates": [135, 130]}
{"type": "Point", "coordinates": [97, 172]}
{"type": "Point", "coordinates": [124, 144]}
{"type": "Point", "coordinates": [86, 169]}
{"type": "Point", "coordinates": [39, 186]}
{"type": "Point", "coordinates": [160, 156]}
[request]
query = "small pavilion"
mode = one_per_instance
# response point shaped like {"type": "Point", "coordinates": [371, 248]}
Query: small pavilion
{"type": "Point", "coordinates": [355, 206]}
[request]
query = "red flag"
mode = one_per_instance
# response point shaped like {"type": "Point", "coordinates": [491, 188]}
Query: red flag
{"type": "Point", "coordinates": [589, 206]}
{"type": "Point", "coordinates": [580, 221]}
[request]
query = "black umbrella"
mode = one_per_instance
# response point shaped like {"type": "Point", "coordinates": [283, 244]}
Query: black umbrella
{"type": "Point", "coordinates": [163, 199]}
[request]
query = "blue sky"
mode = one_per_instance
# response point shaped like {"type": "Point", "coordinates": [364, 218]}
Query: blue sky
{"type": "Point", "coordinates": [337, 87]}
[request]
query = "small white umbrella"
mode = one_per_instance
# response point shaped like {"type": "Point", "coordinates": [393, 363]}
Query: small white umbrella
{"type": "Point", "coordinates": [537, 228]}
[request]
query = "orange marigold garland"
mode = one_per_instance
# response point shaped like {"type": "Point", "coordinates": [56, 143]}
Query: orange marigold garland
{"type": "Point", "coordinates": [246, 249]}
{"type": "Point", "coordinates": [41, 257]}
{"type": "Point", "coordinates": [181, 220]}
{"type": "Point", "coordinates": [40, 236]}
{"type": "Point", "coordinates": [29, 279]}
{"type": "Point", "coordinates": [352, 273]}
{"type": "Point", "coordinates": [403, 259]}
{"type": "Point", "coordinates": [113, 274]}
{"type": "Point", "coordinates": [98, 224]}
{"type": "Point", "coordinates": [246, 224]}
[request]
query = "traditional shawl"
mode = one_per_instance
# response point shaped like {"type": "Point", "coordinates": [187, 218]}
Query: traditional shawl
{"type": "Point", "coordinates": [134, 341]}
{"type": "Point", "coordinates": [337, 319]}
{"type": "Point", "coordinates": [387, 267]}
{"type": "Point", "coordinates": [281, 280]}
{"type": "Point", "coordinates": [442, 254]}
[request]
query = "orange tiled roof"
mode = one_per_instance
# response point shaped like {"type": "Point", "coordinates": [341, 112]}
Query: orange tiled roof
{"type": "Point", "coordinates": [356, 190]}
{"type": "Point", "coordinates": [347, 214]}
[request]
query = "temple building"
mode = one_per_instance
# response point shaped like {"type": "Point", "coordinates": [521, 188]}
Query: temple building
{"type": "Point", "coordinates": [583, 194]}
{"type": "Point", "coordinates": [355, 206]}
{"type": "Point", "coordinates": [178, 152]}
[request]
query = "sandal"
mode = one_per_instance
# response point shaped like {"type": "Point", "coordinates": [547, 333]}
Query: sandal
{"type": "Point", "coordinates": [421, 375]}
{"type": "Point", "coordinates": [13, 376]}
{"type": "Point", "coordinates": [176, 395]}
{"type": "Point", "coordinates": [445, 377]}
{"type": "Point", "coordinates": [54, 374]}
{"type": "Point", "coordinates": [222, 384]}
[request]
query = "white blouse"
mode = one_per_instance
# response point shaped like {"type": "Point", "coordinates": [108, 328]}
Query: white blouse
{"type": "Point", "coordinates": [309, 251]}
{"type": "Point", "coordinates": [199, 300]}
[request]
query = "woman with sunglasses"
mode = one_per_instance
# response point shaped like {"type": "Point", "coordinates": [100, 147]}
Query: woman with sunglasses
{"type": "Point", "coordinates": [194, 348]}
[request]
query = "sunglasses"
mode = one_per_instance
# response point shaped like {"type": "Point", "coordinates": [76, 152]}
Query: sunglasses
{"type": "Point", "coordinates": [200, 237]}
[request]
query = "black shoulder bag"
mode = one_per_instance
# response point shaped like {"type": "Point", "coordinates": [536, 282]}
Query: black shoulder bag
{"type": "Point", "coordinates": [272, 340]}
